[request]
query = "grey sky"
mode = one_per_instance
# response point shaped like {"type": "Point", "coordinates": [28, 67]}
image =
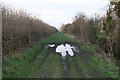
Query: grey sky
{"type": "Point", "coordinates": [57, 12]}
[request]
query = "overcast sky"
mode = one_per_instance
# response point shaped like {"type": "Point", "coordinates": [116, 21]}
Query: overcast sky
{"type": "Point", "coordinates": [57, 12]}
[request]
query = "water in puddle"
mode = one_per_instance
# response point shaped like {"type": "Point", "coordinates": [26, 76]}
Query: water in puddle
{"type": "Point", "coordinates": [69, 49]}
{"type": "Point", "coordinates": [64, 49]}
{"type": "Point", "coordinates": [61, 49]}
{"type": "Point", "coordinates": [51, 45]}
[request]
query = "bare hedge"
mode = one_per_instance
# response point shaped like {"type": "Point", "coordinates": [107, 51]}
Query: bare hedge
{"type": "Point", "coordinates": [20, 29]}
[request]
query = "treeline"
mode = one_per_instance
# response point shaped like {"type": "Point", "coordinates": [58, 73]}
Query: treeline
{"type": "Point", "coordinates": [100, 31]}
{"type": "Point", "coordinates": [20, 29]}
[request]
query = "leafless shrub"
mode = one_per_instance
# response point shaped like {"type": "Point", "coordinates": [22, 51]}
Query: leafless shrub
{"type": "Point", "coordinates": [20, 29]}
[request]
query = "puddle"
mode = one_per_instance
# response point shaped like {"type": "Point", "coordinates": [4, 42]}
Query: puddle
{"type": "Point", "coordinates": [65, 49]}
{"type": "Point", "coordinates": [51, 45]}
{"type": "Point", "coordinates": [61, 49]}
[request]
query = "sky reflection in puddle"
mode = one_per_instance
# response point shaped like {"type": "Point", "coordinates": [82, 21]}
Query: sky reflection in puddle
{"type": "Point", "coordinates": [65, 49]}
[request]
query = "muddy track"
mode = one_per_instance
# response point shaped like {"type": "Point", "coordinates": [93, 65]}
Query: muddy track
{"type": "Point", "coordinates": [65, 67]}
{"type": "Point", "coordinates": [77, 68]}
{"type": "Point", "coordinates": [44, 59]}
{"type": "Point", "coordinates": [36, 54]}
{"type": "Point", "coordinates": [65, 64]}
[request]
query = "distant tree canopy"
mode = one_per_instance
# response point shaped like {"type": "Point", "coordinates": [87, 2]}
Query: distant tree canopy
{"type": "Point", "coordinates": [101, 31]}
{"type": "Point", "coordinates": [81, 27]}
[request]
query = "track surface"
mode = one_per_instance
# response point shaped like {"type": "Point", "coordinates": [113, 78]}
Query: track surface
{"type": "Point", "coordinates": [54, 66]}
